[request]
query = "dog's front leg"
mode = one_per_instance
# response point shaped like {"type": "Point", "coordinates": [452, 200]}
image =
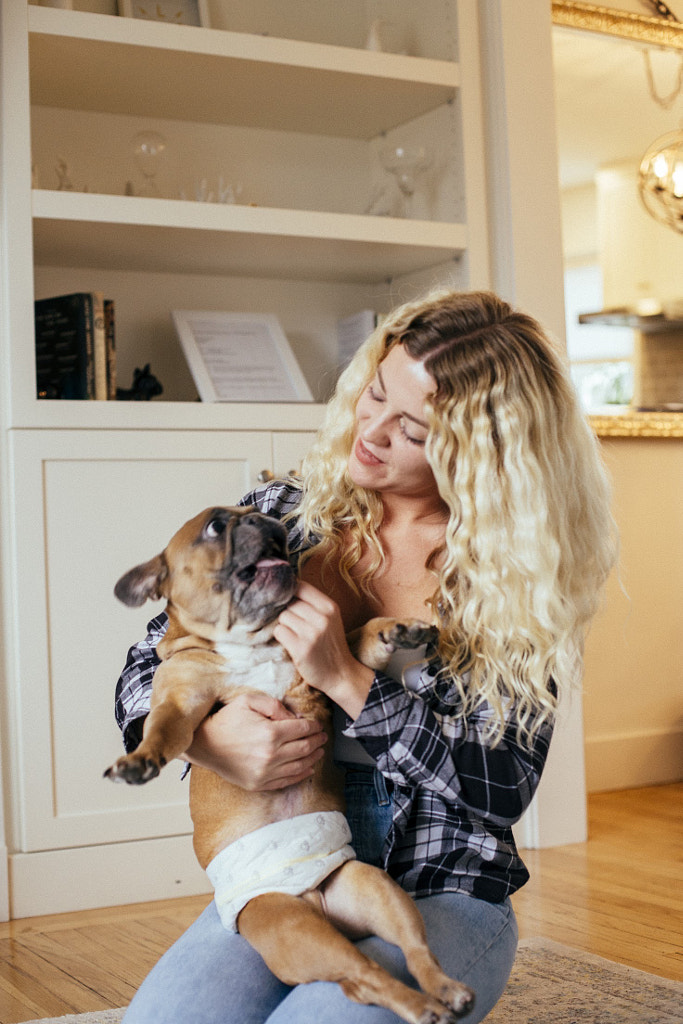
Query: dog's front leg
{"type": "Point", "coordinates": [184, 694]}
{"type": "Point", "coordinates": [375, 642]}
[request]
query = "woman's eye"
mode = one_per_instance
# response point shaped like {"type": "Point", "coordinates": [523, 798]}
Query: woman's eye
{"type": "Point", "coordinates": [413, 440]}
{"type": "Point", "coordinates": [374, 394]}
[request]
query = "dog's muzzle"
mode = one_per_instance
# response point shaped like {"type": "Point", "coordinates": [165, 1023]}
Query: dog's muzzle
{"type": "Point", "coordinates": [257, 570]}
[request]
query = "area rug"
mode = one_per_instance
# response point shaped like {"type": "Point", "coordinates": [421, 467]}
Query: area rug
{"type": "Point", "coordinates": [555, 984]}
{"type": "Point", "coordinates": [550, 984]}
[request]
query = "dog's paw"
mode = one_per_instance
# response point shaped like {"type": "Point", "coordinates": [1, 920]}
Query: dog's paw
{"type": "Point", "coordinates": [455, 1001]}
{"type": "Point", "coordinates": [408, 634]}
{"type": "Point", "coordinates": [458, 998]}
{"type": "Point", "coordinates": [135, 769]}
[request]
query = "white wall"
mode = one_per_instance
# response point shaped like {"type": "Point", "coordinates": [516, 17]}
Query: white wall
{"type": "Point", "coordinates": [633, 690]}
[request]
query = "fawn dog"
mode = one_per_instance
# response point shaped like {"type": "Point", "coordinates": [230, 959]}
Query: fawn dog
{"type": "Point", "coordinates": [284, 873]}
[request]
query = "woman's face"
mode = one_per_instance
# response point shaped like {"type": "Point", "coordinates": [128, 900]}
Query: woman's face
{"type": "Point", "coordinates": [388, 453]}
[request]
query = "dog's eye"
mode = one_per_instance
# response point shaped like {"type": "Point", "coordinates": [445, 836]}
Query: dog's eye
{"type": "Point", "coordinates": [215, 528]}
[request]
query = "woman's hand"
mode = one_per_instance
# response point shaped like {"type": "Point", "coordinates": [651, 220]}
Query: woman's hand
{"type": "Point", "coordinates": [312, 632]}
{"type": "Point", "coordinates": [257, 744]}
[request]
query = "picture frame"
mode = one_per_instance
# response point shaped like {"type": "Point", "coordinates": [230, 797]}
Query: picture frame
{"type": "Point", "coordinates": [239, 357]}
{"type": "Point", "coordinates": [172, 12]}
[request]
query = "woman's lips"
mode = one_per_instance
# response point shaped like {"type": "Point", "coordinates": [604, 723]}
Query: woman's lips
{"type": "Point", "coordinates": [365, 456]}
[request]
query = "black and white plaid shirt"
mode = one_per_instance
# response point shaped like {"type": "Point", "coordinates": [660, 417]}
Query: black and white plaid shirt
{"type": "Point", "coordinates": [455, 798]}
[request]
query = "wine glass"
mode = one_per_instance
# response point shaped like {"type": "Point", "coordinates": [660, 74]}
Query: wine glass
{"type": "Point", "coordinates": [405, 163]}
{"type": "Point", "coordinates": [148, 150]}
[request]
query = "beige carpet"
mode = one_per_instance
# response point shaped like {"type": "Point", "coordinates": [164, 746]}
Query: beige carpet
{"type": "Point", "coordinates": [550, 984]}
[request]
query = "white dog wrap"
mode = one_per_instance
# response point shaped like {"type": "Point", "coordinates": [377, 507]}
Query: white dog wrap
{"type": "Point", "coordinates": [290, 856]}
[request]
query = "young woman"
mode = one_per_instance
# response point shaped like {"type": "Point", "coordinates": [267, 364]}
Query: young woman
{"type": "Point", "coordinates": [454, 479]}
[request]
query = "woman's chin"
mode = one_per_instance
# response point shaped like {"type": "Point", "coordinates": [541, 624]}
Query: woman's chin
{"type": "Point", "coordinates": [362, 475]}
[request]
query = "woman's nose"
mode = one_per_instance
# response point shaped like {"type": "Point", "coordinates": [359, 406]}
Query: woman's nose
{"type": "Point", "coordinates": [375, 429]}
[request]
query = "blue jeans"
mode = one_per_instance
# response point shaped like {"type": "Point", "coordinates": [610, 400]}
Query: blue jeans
{"type": "Point", "coordinates": [211, 976]}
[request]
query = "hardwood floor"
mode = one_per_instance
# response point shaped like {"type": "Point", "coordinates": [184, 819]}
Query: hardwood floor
{"type": "Point", "coordinates": [619, 895]}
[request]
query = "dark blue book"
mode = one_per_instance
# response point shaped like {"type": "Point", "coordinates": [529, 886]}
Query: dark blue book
{"type": "Point", "coordinates": [64, 346]}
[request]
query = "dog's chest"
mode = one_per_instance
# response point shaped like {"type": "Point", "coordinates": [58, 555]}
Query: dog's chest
{"type": "Point", "coordinates": [265, 668]}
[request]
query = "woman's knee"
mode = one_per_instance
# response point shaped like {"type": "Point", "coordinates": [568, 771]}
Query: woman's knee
{"type": "Point", "coordinates": [209, 976]}
{"type": "Point", "coordinates": [475, 942]}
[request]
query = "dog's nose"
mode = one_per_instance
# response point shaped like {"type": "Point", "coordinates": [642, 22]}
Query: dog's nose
{"type": "Point", "coordinates": [252, 519]}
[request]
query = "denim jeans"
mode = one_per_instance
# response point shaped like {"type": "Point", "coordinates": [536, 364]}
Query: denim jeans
{"type": "Point", "coordinates": [211, 976]}
{"type": "Point", "coordinates": [369, 809]}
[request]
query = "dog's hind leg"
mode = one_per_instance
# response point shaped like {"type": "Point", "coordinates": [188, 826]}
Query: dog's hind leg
{"type": "Point", "coordinates": [300, 945]}
{"type": "Point", "coordinates": [362, 900]}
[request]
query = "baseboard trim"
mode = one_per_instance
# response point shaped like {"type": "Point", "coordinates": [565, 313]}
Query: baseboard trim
{"type": "Point", "coordinates": [84, 878]}
{"type": "Point", "coordinates": [651, 758]}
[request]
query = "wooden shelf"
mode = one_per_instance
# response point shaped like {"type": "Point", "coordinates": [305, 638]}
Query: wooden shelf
{"type": "Point", "coordinates": [161, 415]}
{"type": "Point", "coordinates": [658, 324]}
{"type": "Point", "coordinates": [172, 236]}
{"type": "Point", "coordinates": [102, 63]}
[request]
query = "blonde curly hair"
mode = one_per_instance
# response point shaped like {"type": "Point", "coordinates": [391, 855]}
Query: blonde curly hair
{"type": "Point", "coordinates": [530, 539]}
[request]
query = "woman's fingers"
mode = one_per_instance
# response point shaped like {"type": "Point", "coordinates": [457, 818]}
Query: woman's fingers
{"type": "Point", "coordinates": [257, 743]}
{"type": "Point", "coordinates": [312, 632]}
{"type": "Point", "coordinates": [268, 707]}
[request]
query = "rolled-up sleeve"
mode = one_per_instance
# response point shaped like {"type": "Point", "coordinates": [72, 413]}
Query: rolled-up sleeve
{"type": "Point", "coordinates": [134, 688]}
{"type": "Point", "coordinates": [415, 743]}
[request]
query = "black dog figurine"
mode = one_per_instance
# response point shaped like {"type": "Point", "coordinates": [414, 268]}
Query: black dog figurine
{"type": "Point", "coordinates": [145, 386]}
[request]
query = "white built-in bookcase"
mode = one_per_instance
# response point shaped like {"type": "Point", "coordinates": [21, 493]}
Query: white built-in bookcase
{"type": "Point", "coordinates": [285, 99]}
{"type": "Point", "coordinates": [281, 99]}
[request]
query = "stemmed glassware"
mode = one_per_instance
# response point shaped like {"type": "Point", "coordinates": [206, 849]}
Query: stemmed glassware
{"type": "Point", "coordinates": [405, 163]}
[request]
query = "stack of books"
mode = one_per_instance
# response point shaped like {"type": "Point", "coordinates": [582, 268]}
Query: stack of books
{"type": "Point", "coordinates": [76, 347]}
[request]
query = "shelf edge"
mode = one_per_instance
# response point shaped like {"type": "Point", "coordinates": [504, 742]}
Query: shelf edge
{"type": "Point", "coordinates": [209, 42]}
{"type": "Point", "coordinates": [181, 214]}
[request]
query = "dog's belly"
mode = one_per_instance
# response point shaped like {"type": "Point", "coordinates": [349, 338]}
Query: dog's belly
{"type": "Point", "coordinates": [222, 812]}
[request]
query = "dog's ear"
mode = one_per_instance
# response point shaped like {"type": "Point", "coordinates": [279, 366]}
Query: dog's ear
{"type": "Point", "coordinates": [142, 583]}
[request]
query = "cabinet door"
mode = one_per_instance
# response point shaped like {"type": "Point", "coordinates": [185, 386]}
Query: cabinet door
{"type": "Point", "coordinates": [289, 449]}
{"type": "Point", "coordinates": [89, 506]}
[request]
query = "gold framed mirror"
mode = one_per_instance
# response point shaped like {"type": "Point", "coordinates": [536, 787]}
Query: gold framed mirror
{"type": "Point", "coordinates": [635, 27]}
{"type": "Point", "coordinates": [656, 32]}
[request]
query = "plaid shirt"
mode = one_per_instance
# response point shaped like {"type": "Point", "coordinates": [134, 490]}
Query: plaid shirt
{"type": "Point", "coordinates": [455, 798]}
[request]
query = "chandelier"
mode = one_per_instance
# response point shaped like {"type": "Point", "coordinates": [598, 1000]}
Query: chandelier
{"type": "Point", "coordinates": [660, 180]}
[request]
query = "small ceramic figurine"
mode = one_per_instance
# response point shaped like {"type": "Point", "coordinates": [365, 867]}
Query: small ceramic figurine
{"type": "Point", "coordinates": [145, 386]}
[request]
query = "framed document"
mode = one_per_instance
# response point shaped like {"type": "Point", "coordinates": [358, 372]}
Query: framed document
{"type": "Point", "coordinates": [240, 357]}
{"type": "Point", "coordinates": [174, 12]}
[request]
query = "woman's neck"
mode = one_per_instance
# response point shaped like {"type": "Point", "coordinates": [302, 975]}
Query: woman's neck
{"type": "Point", "coordinates": [408, 512]}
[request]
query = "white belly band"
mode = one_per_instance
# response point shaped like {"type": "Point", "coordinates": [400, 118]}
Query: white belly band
{"type": "Point", "coordinates": [290, 856]}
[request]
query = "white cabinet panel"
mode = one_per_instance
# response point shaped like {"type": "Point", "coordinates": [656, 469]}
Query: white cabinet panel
{"type": "Point", "coordinates": [90, 505]}
{"type": "Point", "coordinates": [289, 449]}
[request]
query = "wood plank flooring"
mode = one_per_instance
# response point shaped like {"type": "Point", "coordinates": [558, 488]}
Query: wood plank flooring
{"type": "Point", "coordinates": [619, 895]}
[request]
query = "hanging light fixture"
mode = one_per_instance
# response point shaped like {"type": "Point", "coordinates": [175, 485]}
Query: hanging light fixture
{"type": "Point", "coordinates": [660, 180]}
{"type": "Point", "coordinates": [660, 177]}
